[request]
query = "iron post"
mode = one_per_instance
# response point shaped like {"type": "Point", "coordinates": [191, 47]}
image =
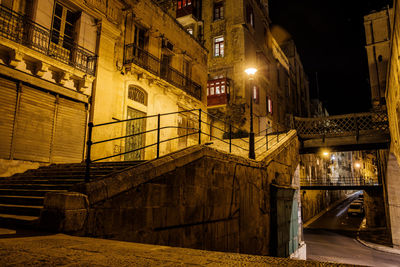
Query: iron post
{"type": "Point", "coordinates": [88, 152]}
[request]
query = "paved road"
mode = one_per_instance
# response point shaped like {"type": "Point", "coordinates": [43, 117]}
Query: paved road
{"type": "Point", "coordinates": [332, 238]}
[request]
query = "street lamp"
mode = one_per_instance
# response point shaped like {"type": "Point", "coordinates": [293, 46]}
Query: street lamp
{"type": "Point", "coordinates": [250, 72]}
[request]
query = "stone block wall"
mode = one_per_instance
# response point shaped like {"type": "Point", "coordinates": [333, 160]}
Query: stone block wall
{"type": "Point", "coordinates": [196, 198]}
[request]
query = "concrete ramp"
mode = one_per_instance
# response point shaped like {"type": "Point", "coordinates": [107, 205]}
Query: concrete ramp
{"type": "Point", "coordinates": [198, 197]}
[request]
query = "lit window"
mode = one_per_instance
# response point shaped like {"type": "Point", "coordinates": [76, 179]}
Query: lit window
{"type": "Point", "coordinates": [256, 93]}
{"type": "Point", "coordinates": [269, 105]}
{"type": "Point", "coordinates": [218, 11]}
{"type": "Point", "coordinates": [219, 47]}
{"type": "Point", "coordinates": [216, 87]}
{"type": "Point", "coordinates": [249, 15]}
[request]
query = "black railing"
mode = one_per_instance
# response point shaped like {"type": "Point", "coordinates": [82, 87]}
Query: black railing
{"type": "Point", "coordinates": [342, 125]}
{"type": "Point", "coordinates": [22, 30]}
{"type": "Point", "coordinates": [149, 62]}
{"type": "Point", "coordinates": [340, 181]}
{"type": "Point", "coordinates": [216, 132]}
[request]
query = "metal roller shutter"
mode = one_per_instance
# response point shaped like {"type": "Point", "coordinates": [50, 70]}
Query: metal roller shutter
{"type": "Point", "coordinates": [34, 125]}
{"type": "Point", "coordinates": [8, 101]}
{"type": "Point", "coordinates": [69, 135]}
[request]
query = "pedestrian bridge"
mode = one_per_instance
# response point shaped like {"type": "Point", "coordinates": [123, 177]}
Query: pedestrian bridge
{"type": "Point", "coordinates": [349, 132]}
{"type": "Point", "coordinates": [339, 183]}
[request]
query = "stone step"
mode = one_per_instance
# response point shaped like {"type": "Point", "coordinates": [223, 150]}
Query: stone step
{"type": "Point", "coordinates": [20, 221]}
{"type": "Point", "coordinates": [42, 181]}
{"type": "Point", "coordinates": [21, 200]}
{"type": "Point", "coordinates": [24, 210]}
{"type": "Point", "coordinates": [96, 164]}
{"type": "Point", "coordinates": [26, 192]}
{"type": "Point", "coordinates": [36, 186]}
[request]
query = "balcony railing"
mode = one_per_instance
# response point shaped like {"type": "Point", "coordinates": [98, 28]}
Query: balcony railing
{"type": "Point", "coordinates": [151, 63]}
{"type": "Point", "coordinates": [22, 30]}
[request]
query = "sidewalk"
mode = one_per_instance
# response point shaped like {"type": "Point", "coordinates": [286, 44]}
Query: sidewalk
{"type": "Point", "coordinates": [29, 248]}
{"type": "Point", "coordinates": [376, 238]}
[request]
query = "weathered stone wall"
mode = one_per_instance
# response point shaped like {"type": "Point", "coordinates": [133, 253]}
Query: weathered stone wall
{"type": "Point", "coordinates": [374, 207]}
{"type": "Point", "coordinates": [315, 201]}
{"type": "Point", "coordinates": [196, 198]}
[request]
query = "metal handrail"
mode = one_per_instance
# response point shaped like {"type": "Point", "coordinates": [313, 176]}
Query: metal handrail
{"type": "Point", "coordinates": [151, 63]}
{"type": "Point", "coordinates": [21, 29]}
{"type": "Point", "coordinates": [191, 131]}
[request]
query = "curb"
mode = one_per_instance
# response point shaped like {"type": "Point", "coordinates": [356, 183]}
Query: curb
{"type": "Point", "coordinates": [377, 247]}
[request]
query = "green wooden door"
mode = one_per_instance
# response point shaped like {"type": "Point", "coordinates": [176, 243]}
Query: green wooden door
{"type": "Point", "coordinates": [137, 141]}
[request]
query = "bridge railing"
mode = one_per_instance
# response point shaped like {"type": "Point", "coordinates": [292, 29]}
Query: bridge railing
{"type": "Point", "coordinates": [341, 125]}
{"type": "Point", "coordinates": [340, 181]}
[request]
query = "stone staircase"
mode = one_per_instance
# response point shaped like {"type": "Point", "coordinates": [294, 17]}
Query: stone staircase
{"type": "Point", "coordinates": [22, 195]}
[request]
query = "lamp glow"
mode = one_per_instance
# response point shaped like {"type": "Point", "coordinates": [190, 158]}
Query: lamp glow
{"type": "Point", "coordinates": [251, 71]}
{"type": "Point", "coordinates": [357, 165]}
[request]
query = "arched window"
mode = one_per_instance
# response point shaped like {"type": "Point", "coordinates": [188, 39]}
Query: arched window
{"type": "Point", "coordinates": [137, 94]}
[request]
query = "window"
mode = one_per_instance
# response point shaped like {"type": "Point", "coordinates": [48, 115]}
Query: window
{"type": "Point", "coordinates": [219, 46]}
{"type": "Point", "coordinates": [256, 94]}
{"type": "Point", "coordinates": [216, 87]}
{"type": "Point", "coordinates": [269, 105]}
{"type": "Point", "coordinates": [137, 94]}
{"type": "Point", "coordinates": [249, 15]}
{"type": "Point", "coordinates": [218, 10]}
{"type": "Point", "coordinates": [184, 3]}
{"type": "Point", "coordinates": [63, 26]}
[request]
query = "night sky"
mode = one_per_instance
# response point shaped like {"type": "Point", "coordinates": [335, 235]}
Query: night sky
{"type": "Point", "coordinates": [330, 38]}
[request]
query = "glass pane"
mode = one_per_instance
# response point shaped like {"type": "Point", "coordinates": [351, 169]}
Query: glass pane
{"type": "Point", "coordinates": [70, 17]}
{"type": "Point", "coordinates": [222, 89]}
{"type": "Point", "coordinates": [69, 30]}
{"type": "Point", "coordinates": [57, 24]}
{"type": "Point", "coordinates": [58, 10]}
{"type": "Point", "coordinates": [212, 91]}
{"type": "Point", "coordinates": [217, 92]}
{"type": "Point", "coordinates": [55, 36]}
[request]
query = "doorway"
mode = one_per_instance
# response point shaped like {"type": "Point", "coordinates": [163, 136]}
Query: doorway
{"type": "Point", "coordinates": [137, 141]}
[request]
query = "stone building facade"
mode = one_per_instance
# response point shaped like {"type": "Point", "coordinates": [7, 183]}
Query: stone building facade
{"type": "Point", "coordinates": [237, 36]}
{"type": "Point", "coordinates": [377, 32]}
{"type": "Point", "coordinates": [65, 63]}
{"type": "Point", "coordinates": [324, 168]}
{"type": "Point", "coordinates": [393, 108]}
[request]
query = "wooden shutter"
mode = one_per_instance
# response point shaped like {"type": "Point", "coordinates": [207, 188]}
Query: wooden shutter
{"type": "Point", "coordinates": [68, 143]}
{"type": "Point", "coordinates": [34, 125]}
{"type": "Point", "coordinates": [8, 100]}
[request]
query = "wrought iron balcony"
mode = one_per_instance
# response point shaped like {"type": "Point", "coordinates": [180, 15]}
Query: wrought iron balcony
{"type": "Point", "coordinates": [151, 63]}
{"type": "Point", "coordinates": [22, 30]}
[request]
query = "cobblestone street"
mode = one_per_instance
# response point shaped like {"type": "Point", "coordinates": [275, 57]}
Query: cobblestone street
{"type": "Point", "coordinates": [24, 248]}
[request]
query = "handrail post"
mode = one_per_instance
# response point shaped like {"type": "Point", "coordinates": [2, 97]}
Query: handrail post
{"type": "Point", "coordinates": [158, 134]}
{"type": "Point", "coordinates": [230, 138]}
{"type": "Point", "coordinates": [356, 124]}
{"type": "Point", "coordinates": [199, 126]}
{"type": "Point", "coordinates": [88, 152]}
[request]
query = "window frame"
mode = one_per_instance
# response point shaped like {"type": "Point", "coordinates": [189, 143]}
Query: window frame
{"type": "Point", "coordinates": [218, 8]}
{"type": "Point", "coordinates": [218, 45]}
{"type": "Point", "coordinates": [270, 107]}
{"type": "Point", "coordinates": [59, 36]}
